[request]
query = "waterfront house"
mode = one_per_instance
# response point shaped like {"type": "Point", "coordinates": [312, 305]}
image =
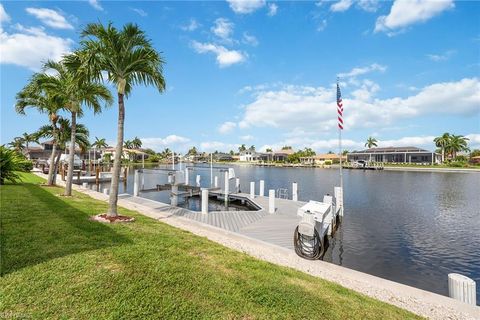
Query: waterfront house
{"type": "Point", "coordinates": [252, 156]}
{"type": "Point", "coordinates": [281, 155]}
{"type": "Point", "coordinates": [320, 159]}
{"type": "Point", "coordinates": [222, 157]}
{"type": "Point", "coordinates": [44, 151]}
{"type": "Point", "coordinates": [395, 155]}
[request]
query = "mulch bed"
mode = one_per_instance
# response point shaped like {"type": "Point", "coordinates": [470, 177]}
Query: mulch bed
{"type": "Point", "coordinates": [106, 219]}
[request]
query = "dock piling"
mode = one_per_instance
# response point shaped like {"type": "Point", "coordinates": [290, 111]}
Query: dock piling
{"type": "Point", "coordinates": [261, 192]}
{"type": "Point", "coordinates": [252, 189]}
{"type": "Point", "coordinates": [271, 201]}
{"type": "Point", "coordinates": [216, 182]}
{"type": "Point", "coordinates": [186, 177]}
{"type": "Point", "coordinates": [338, 192]}
{"type": "Point", "coordinates": [294, 191]}
{"type": "Point", "coordinates": [237, 185]}
{"type": "Point", "coordinates": [462, 288]}
{"type": "Point", "coordinates": [174, 195]}
{"type": "Point", "coordinates": [198, 180]}
{"type": "Point", "coordinates": [136, 183]}
{"type": "Point", "coordinates": [204, 200]}
{"type": "Point", "coordinates": [226, 187]}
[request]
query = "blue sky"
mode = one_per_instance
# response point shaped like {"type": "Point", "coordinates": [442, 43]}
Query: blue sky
{"type": "Point", "coordinates": [263, 73]}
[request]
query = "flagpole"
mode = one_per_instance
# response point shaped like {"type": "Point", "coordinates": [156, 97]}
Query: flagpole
{"type": "Point", "coordinates": [340, 153]}
{"type": "Point", "coordinates": [340, 128]}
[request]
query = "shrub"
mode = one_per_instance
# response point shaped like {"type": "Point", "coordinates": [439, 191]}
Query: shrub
{"type": "Point", "coordinates": [458, 164]}
{"type": "Point", "coordinates": [153, 158]}
{"type": "Point", "coordinates": [461, 159]}
{"type": "Point", "coordinates": [328, 162]}
{"type": "Point", "coordinates": [10, 162]}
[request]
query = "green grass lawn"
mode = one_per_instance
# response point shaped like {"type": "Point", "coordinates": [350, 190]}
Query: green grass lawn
{"type": "Point", "coordinates": [57, 264]}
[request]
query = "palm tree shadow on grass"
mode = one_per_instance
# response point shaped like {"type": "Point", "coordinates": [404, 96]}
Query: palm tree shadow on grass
{"type": "Point", "coordinates": [38, 226]}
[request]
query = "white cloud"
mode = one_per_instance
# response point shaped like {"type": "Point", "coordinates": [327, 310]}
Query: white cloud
{"type": "Point", "coordinates": [223, 29]}
{"type": "Point", "coordinates": [50, 17]}
{"type": "Point", "coordinates": [408, 142]}
{"type": "Point", "coordinates": [140, 12]}
{"type": "Point", "coordinates": [357, 71]}
{"type": "Point", "coordinates": [95, 4]}
{"type": "Point", "coordinates": [227, 127]}
{"type": "Point", "coordinates": [247, 137]}
{"type": "Point", "coordinates": [224, 58]}
{"type": "Point", "coordinates": [314, 108]}
{"type": "Point", "coordinates": [249, 39]}
{"type": "Point", "coordinates": [32, 46]}
{"type": "Point", "coordinates": [4, 17]}
{"type": "Point", "coordinates": [191, 26]}
{"type": "Point", "coordinates": [368, 5]}
{"type": "Point", "coordinates": [211, 146]}
{"type": "Point", "coordinates": [322, 25]}
{"type": "Point", "coordinates": [441, 57]}
{"type": "Point", "coordinates": [341, 5]}
{"type": "Point", "coordinates": [407, 12]}
{"type": "Point", "coordinates": [474, 140]}
{"type": "Point", "coordinates": [171, 141]}
{"type": "Point", "coordinates": [272, 9]}
{"type": "Point", "coordinates": [246, 6]}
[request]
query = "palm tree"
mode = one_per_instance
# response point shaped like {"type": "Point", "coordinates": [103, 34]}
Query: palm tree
{"type": "Point", "coordinates": [442, 143]}
{"type": "Point", "coordinates": [27, 138]}
{"type": "Point", "coordinates": [242, 148]}
{"type": "Point", "coordinates": [371, 142]}
{"type": "Point", "coordinates": [252, 148]}
{"type": "Point", "coordinates": [192, 151]}
{"type": "Point", "coordinates": [35, 95]}
{"type": "Point", "coordinates": [64, 136]}
{"type": "Point", "coordinates": [100, 143]}
{"type": "Point", "coordinates": [75, 89]}
{"type": "Point", "coordinates": [17, 144]}
{"type": "Point", "coordinates": [136, 143]}
{"type": "Point", "coordinates": [456, 144]}
{"type": "Point", "coordinates": [128, 144]}
{"type": "Point", "coordinates": [128, 58]}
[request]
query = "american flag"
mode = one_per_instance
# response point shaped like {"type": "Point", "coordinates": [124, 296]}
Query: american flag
{"type": "Point", "coordinates": [339, 108]}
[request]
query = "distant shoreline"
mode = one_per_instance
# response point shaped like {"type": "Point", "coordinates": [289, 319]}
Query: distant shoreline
{"type": "Point", "coordinates": [335, 166]}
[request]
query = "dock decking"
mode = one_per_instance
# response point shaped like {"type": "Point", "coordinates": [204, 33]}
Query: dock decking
{"type": "Point", "coordinates": [277, 228]}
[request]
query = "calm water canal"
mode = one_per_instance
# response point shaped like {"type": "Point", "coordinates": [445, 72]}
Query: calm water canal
{"type": "Point", "coordinates": [409, 227]}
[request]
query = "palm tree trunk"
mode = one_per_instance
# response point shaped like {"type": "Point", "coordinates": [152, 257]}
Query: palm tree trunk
{"type": "Point", "coordinates": [112, 202]}
{"type": "Point", "coordinates": [443, 155]}
{"type": "Point", "coordinates": [71, 156]}
{"type": "Point", "coordinates": [57, 161]}
{"type": "Point", "coordinates": [52, 156]}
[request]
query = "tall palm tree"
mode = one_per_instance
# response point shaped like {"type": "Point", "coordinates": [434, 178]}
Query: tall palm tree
{"type": "Point", "coordinates": [128, 58]}
{"type": "Point", "coordinates": [64, 136]}
{"type": "Point", "coordinates": [371, 142]}
{"type": "Point", "coordinates": [456, 144]}
{"type": "Point", "coordinates": [242, 148]}
{"type": "Point", "coordinates": [442, 143]}
{"type": "Point", "coordinates": [76, 91]}
{"type": "Point", "coordinates": [35, 95]}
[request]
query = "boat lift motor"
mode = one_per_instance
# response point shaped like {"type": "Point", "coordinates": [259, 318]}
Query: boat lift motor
{"type": "Point", "coordinates": [310, 233]}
